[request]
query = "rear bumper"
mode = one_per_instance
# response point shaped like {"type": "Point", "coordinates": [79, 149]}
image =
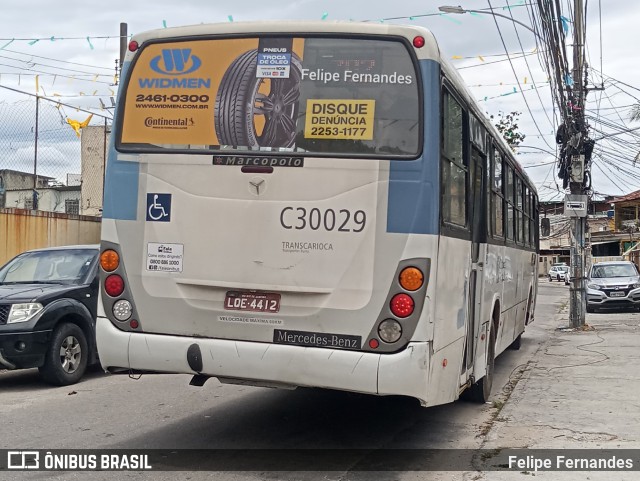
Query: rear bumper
{"type": "Point", "coordinates": [404, 373]}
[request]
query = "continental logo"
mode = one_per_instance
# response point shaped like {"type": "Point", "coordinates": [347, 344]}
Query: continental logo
{"type": "Point", "coordinates": [175, 62]}
{"type": "Point", "coordinates": [155, 122]}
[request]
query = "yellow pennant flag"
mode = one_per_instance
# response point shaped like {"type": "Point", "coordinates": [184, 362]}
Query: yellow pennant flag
{"type": "Point", "coordinates": [457, 57]}
{"type": "Point", "coordinates": [37, 84]}
{"type": "Point", "coordinates": [525, 80]}
{"type": "Point", "coordinates": [481, 58]}
{"type": "Point", "coordinates": [77, 125]}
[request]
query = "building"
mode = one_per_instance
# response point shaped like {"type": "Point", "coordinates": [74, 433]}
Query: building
{"type": "Point", "coordinates": [613, 231]}
{"type": "Point", "coordinates": [63, 199]}
{"type": "Point", "coordinates": [94, 145]}
{"type": "Point", "coordinates": [15, 180]}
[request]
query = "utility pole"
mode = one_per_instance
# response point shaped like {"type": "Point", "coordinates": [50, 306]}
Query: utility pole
{"type": "Point", "coordinates": [123, 51]}
{"type": "Point", "coordinates": [578, 150]}
{"type": "Point", "coordinates": [123, 42]}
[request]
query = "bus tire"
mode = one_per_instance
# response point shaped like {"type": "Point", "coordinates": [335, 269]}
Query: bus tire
{"type": "Point", "coordinates": [66, 358]}
{"type": "Point", "coordinates": [239, 101]}
{"type": "Point", "coordinates": [481, 390]}
{"type": "Point", "coordinates": [516, 344]}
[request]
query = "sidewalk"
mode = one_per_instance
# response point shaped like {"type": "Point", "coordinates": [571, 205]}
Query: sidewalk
{"type": "Point", "coordinates": [582, 391]}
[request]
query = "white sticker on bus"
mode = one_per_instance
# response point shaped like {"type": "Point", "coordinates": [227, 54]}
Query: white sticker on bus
{"type": "Point", "coordinates": [252, 320]}
{"type": "Point", "coordinates": [164, 257]}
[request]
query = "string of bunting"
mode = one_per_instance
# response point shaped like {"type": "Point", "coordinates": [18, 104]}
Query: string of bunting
{"type": "Point", "coordinates": [33, 40]}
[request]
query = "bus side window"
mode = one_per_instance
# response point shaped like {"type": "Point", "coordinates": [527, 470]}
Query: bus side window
{"type": "Point", "coordinates": [509, 196]}
{"type": "Point", "coordinates": [527, 215]}
{"type": "Point", "coordinates": [497, 196]}
{"type": "Point", "coordinates": [454, 171]}
{"type": "Point", "coordinates": [519, 208]}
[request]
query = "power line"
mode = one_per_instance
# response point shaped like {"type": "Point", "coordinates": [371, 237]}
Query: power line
{"type": "Point", "coordinates": [544, 108]}
{"type": "Point", "coordinates": [53, 66]}
{"type": "Point", "coordinates": [56, 60]}
{"type": "Point", "coordinates": [516, 76]}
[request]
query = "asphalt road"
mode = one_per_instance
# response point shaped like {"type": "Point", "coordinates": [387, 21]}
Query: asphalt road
{"type": "Point", "coordinates": [164, 412]}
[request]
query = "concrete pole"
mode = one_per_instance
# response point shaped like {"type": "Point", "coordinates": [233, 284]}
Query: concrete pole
{"type": "Point", "coordinates": [123, 42]}
{"type": "Point", "coordinates": [35, 157]}
{"type": "Point", "coordinates": [578, 300]}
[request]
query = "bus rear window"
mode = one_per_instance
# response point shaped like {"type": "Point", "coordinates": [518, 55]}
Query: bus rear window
{"type": "Point", "coordinates": [312, 96]}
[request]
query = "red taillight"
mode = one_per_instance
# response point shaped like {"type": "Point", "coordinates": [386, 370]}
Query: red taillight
{"type": "Point", "coordinates": [133, 46]}
{"type": "Point", "coordinates": [374, 343]}
{"type": "Point", "coordinates": [402, 305]}
{"type": "Point", "coordinates": [418, 42]}
{"type": "Point", "coordinates": [114, 285]}
{"type": "Point", "coordinates": [134, 324]}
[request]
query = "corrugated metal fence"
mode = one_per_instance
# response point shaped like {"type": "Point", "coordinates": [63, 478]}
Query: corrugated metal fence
{"type": "Point", "coordinates": [21, 230]}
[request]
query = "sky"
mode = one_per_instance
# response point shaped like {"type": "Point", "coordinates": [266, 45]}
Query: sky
{"type": "Point", "coordinates": [72, 48]}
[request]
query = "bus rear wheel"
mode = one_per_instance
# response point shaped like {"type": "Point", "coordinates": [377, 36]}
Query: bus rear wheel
{"type": "Point", "coordinates": [481, 390]}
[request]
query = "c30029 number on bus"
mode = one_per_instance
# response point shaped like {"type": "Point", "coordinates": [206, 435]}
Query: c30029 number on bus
{"type": "Point", "coordinates": [340, 220]}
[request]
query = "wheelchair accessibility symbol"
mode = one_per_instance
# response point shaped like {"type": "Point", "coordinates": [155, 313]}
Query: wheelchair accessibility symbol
{"type": "Point", "coordinates": [159, 207]}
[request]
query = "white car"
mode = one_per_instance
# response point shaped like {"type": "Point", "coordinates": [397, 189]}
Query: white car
{"type": "Point", "coordinates": [558, 273]}
{"type": "Point", "coordinates": [612, 285]}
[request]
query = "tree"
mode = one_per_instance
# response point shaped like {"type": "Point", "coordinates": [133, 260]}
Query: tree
{"type": "Point", "coordinates": [507, 125]}
{"type": "Point", "coordinates": [635, 113]}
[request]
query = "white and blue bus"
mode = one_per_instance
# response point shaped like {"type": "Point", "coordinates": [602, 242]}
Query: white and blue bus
{"type": "Point", "coordinates": [311, 204]}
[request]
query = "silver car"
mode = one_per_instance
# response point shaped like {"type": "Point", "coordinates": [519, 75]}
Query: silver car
{"type": "Point", "coordinates": [613, 284]}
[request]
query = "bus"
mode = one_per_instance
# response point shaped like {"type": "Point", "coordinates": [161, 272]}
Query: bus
{"type": "Point", "coordinates": [311, 204]}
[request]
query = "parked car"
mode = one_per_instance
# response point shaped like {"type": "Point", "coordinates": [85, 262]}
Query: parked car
{"type": "Point", "coordinates": [613, 284]}
{"type": "Point", "coordinates": [48, 302]}
{"type": "Point", "coordinates": [558, 272]}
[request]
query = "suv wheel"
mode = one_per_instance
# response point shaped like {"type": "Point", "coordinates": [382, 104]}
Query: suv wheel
{"type": "Point", "coordinates": [66, 358]}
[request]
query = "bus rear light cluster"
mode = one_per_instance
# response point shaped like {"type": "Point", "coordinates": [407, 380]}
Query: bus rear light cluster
{"type": "Point", "coordinates": [114, 286]}
{"type": "Point", "coordinates": [398, 318]}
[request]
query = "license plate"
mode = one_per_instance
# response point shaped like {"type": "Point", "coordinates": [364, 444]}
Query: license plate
{"type": "Point", "coordinates": [252, 301]}
{"type": "Point", "coordinates": [616, 294]}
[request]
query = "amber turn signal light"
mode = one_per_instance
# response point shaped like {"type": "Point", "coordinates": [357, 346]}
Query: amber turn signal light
{"type": "Point", "coordinates": [109, 260]}
{"type": "Point", "coordinates": [411, 278]}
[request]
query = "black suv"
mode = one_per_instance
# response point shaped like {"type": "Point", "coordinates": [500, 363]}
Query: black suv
{"type": "Point", "coordinates": [48, 302]}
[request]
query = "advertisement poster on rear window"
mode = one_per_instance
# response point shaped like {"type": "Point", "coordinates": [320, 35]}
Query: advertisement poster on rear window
{"type": "Point", "coordinates": [289, 94]}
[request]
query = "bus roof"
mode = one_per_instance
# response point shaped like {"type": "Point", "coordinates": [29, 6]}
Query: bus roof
{"type": "Point", "coordinates": [429, 51]}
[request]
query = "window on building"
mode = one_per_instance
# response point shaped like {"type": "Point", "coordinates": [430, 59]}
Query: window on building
{"type": "Point", "coordinates": [72, 206]}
